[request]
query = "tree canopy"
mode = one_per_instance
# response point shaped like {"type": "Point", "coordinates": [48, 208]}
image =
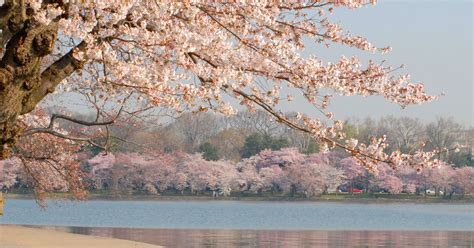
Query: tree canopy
{"type": "Point", "coordinates": [257, 142]}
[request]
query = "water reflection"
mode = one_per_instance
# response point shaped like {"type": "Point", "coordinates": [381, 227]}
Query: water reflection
{"type": "Point", "coordinates": [278, 238]}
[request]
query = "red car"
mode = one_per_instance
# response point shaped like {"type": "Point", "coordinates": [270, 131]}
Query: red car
{"type": "Point", "coordinates": [356, 191]}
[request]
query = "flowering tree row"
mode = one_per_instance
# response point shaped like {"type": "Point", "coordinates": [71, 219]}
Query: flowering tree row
{"type": "Point", "coordinates": [285, 171]}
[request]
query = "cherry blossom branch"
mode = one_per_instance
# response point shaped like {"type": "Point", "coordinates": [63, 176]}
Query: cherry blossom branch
{"type": "Point", "coordinates": [365, 158]}
{"type": "Point", "coordinates": [315, 4]}
{"type": "Point", "coordinates": [29, 172]}
{"type": "Point", "coordinates": [280, 118]}
{"type": "Point", "coordinates": [50, 129]}
{"type": "Point", "coordinates": [266, 54]}
{"type": "Point", "coordinates": [357, 153]}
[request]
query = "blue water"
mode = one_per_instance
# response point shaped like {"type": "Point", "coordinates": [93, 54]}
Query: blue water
{"type": "Point", "coordinates": [242, 215]}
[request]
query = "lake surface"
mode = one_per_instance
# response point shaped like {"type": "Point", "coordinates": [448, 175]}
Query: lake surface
{"type": "Point", "coordinates": [255, 224]}
{"type": "Point", "coordinates": [281, 238]}
{"type": "Point", "coordinates": [243, 215]}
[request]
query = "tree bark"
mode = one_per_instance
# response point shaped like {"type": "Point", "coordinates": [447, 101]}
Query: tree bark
{"type": "Point", "coordinates": [22, 83]}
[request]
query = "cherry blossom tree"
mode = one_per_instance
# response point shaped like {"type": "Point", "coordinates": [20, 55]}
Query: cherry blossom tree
{"type": "Point", "coordinates": [408, 177]}
{"type": "Point", "coordinates": [187, 56]}
{"type": "Point", "coordinates": [156, 172]}
{"type": "Point", "coordinates": [217, 176]}
{"type": "Point", "coordinates": [438, 178]}
{"type": "Point", "coordinates": [268, 169]}
{"type": "Point", "coordinates": [273, 178]}
{"type": "Point", "coordinates": [462, 180]}
{"type": "Point", "coordinates": [9, 173]}
{"type": "Point", "coordinates": [100, 172]}
{"type": "Point", "coordinates": [388, 180]}
{"type": "Point", "coordinates": [284, 157]}
{"type": "Point", "coordinates": [290, 171]}
{"type": "Point", "coordinates": [331, 175]}
{"type": "Point", "coordinates": [306, 179]}
{"type": "Point", "coordinates": [392, 183]}
{"type": "Point", "coordinates": [352, 170]}
{"type": "Point", "coordinates": [152, 173]}
{"type": "Point", "coordinates": [249, 178]}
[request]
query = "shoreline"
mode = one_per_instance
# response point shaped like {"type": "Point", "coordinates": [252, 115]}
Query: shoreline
{"type": "Point", "coordinates": [14, 236]}
{"type": "Point", "coordinates": [340, 198]}
{"type": "Point", "coordinates": [73, 229]}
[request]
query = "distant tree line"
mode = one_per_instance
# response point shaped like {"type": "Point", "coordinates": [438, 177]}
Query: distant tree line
{"type": "Point", "coordinates": [246, 134]}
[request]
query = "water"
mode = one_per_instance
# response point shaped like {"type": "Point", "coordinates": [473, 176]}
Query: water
{"type": "Point", "coordinates": [252, 224]}
{"type": "Point", "coordinates": [281, 238]}
{"type": "Point", "coordinates": [243, 215]}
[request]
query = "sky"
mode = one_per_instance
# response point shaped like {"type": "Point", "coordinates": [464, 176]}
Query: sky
{"type": "Point", "coordinates": [433, 39]}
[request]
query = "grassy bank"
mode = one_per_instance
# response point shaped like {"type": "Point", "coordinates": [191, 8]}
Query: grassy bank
{"type": "Point", "coordinates": [340, 197]}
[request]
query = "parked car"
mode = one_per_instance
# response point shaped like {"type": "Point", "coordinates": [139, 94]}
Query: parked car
{"type": "Point", "coordinates": [355, 191]}
{"type": "Point", "coordinates": [349, 190]}
{"type": "Point", "coordinates": [433, 192]}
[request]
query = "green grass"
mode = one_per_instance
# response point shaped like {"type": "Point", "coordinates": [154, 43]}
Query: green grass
{"type": "Point", "coordinates": [265, 196]}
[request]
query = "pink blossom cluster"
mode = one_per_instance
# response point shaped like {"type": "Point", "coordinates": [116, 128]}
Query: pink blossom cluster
{"type": "Point", "coordinates": [284, 171]}
{"type": "Point", "coordinates": [43, 162]}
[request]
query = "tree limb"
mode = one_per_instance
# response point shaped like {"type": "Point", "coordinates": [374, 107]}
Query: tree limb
{"type": "Point", "coordinates": [50, 129]}
{"type": "Point", "coordinates": [63, 136]}
{"type": "Point", "coordinates": [52, 76]}
{"type": "Point", "coordinates": [81, 122]}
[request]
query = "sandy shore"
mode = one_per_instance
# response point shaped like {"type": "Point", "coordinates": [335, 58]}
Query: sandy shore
{"type": "Point", "coordinates": [23, 237]}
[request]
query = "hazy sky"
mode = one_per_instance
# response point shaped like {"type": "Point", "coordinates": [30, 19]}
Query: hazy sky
{"type": "Point", "coordinates": [433, 39]}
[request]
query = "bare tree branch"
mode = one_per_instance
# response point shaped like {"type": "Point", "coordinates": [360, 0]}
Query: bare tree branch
{"type": "Point", "coordinates": [52, 76]}
{"type": "Point", "coordinates": [50, 129]}
{"type": "Point", "coordinates": [63, 136]}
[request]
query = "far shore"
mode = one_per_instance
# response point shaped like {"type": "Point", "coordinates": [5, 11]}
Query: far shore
{"type": "Point", "coordinates": [345, 198]}
{"type": "Point", "coordinates": [25, 237]}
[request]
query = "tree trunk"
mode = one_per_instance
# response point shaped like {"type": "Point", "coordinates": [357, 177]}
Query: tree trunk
{"type": "Point", "coordinates": [292, 190]}
{"type": "Point", "coordinates": [22, 83]}
{"type": "Point", "coordinates": [352, 188]}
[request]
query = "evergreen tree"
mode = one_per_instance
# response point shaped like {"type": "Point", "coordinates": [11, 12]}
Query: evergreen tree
{"type": "Point", "coordinates": [257, 142]}
{"type": "Point", "coordinates": [209, 152]}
